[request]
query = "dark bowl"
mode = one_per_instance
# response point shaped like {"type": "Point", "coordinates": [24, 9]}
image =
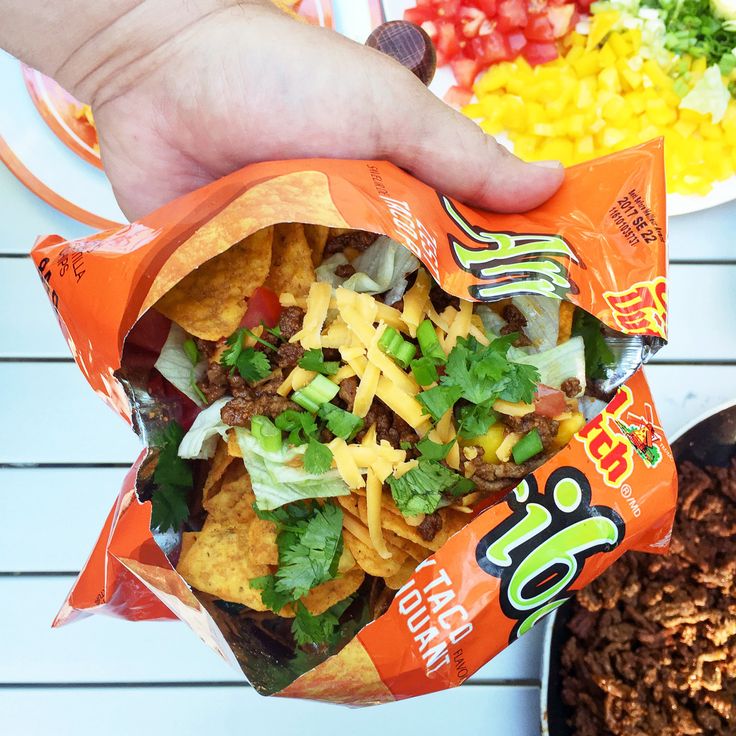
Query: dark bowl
{"type": "Point", "coordinates": [709, 440]}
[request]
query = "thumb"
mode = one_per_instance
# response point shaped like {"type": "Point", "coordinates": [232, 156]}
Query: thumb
{"type": "Point", "coordinates": [451, 153]}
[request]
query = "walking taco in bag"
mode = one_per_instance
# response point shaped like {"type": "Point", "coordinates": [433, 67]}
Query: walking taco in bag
{"type": "Point", "coordinates": [377, 421]}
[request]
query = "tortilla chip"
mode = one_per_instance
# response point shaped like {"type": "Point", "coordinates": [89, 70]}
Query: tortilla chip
{"type": "Point", "coordinates": [370, 560]}
{"type": "Point", "coordinates": [452, 522]}
{"type": "Point", "coordinates": [402, 576]}
{"type": "Point", "coordinates": [291, 266]}
{"type": "Point", "coordinates": [233, 448]}
{"type": "Point", "coordinates": [317, 238]}
{"type": "Point", "coordinates": [413, 550]}
{"type": "Point", "coordinates": [218, 466]}
{"type": "Point", "coordinates": [210, 302]}
{"type": "Point", "coordinates": [319, 599]}
{"type": "Point", "coordinates": [187, 540]}
{"type": "Point", "coordinates": [261, 540]}
{"type": "Point", "coordinates": [567, 310]}
{"type": "Point", "coordinates": [220, 563]}
{"type": "Point", "coordinates": [234, 501]}
{"type": "Point", "coordinates": [349, 503]}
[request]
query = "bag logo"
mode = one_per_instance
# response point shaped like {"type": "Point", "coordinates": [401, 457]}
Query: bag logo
{"type": "Point", "coordinates": [511, 263]}
{"type": "Point", "coordinates": [644, 434]}
{"type": "Point", "coordinates": [642, 309]}
{"type": "Point", "coordinates": [540, 550]}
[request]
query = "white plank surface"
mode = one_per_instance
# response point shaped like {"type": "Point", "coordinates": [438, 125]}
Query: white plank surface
{"type": "Point", "coordinates": [699, 294]}
{"type": "Point", "coordinates": [101, 649]}
{"type": "Point", "coordinates": [481, 711]}
{"type": "Point", "coordinates": [57, 418]}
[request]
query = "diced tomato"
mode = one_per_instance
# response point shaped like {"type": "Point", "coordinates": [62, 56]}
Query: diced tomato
{"type": "Point", "coordinates": [471, 20]}
{"type": "Point", "coordinates": [458, 97]}
{"type": "Point", "coordinates": [539, 53]}
{"type": "Point", "coordinates": [511, 14]}
{"type": "Point", "coordinates": [144, 342]}
{"type": "Point", "coordinates": [549, 402]}
{"type": "Point", "coordinates": [447, 42]}
{"type": "Point", "coordinates": [539, 28]}
{"type": "Point", "coordinates": [465, 71]}
{"type": "Point", "coordinates": [419, 15]}
{"type": "Point", "coordinates": [488, 7]}
{"type": "Point", "coordinates": [560, 19]}
{"type": "Point", "coordinates": [516, 42]}
{"type": "Point", "coordinates": [263, 307]}
{"type": "Point", "coordinates": [491, 48]}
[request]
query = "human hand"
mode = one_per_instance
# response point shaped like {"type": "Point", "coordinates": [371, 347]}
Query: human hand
{"type": "Point", "coordinates": [182, 96]}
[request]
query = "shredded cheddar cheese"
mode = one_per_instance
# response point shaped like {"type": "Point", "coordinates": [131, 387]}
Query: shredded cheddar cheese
{"type": "Point", "coordinates": [367, 389]}
{"type": "Point", "coordinates": [345, 464]}
{"type": "Point", "coordinates": [374, 491]}
{"type": "Point", "coordinates": [416, 301]}
{"type": "Point", "coordinates": [318, 303]}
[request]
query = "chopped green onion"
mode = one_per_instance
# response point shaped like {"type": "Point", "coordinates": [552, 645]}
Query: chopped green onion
{"type": "Point", "coordinates": [425, 371]}
{"type": "Point", "coordinates": [528, 446]}
{"type": "Point", "coordinates": [191, 351]}
{"type": "Point", "coordinates": [197, 390]}
{"type": "Point", "coordinates": [402, 351]}
{"type": "Point", "coordinates": [319, 391]}
{"type": "Point", "coordinates": [266, 432]}
{"type": "Point", "coordinates": [429, 342]}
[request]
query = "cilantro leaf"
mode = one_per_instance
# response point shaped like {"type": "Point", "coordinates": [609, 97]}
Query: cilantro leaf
{"type": "Point", "coordinates": [475, 420]}
{"type": "Point", "coordinates": [483, 373]}
{"type": "Point", "coordinates": [309, 629]}
{"type": "Point", "coordinates": [419, 491]}
{"type": "Point", "coordinates": [299, 424]}
{"type": "Point", "coordinates": [317, 457]}
{"type": "Point", "coordinates": [310, 544]}
{"type": "Point", "coordinates": [598, 356]}
{"type": "Point", "coordinates": [314, 360]}
{"type": "Point", "coordinates": [171, 469]}
{"type": "Point", "coordinates": [434, 450]}
{"type": "Point", "coordinates": [340, 422]}
{"type": "Point", "coordinates": [253, 365]}
{"type": "Point", "coordinates": [271, 598]}
{"type": "Point", "coordinates": [172, 480]}
{"type": "Point", "coordinates": [437, 400]}
{"type": "Point", "coordinates": [169, 507]}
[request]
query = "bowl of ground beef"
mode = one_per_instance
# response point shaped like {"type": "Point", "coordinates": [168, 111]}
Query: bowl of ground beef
{"type": "Point", "coordinates": [649, 648]}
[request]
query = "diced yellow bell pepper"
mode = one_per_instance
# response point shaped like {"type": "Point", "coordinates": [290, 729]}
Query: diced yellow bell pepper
{"type": "Point", "coordinates": [601, 25]}
{"type": "Point", "coordinates": [608, 79]}
{"type": "Point", "coordinates": [568, 427]}
{"type": "Point", "coordinates": [490, 442]}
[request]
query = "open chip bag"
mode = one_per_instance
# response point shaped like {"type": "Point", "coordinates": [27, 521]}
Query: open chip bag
{"type": "Point", "coordinates": [385, 433]}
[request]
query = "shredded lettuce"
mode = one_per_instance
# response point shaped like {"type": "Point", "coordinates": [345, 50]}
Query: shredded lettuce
{"type": "Point", "coordinates": [175, 366]}
{"type": "Point", "coordinates": [383, 267]}
{"type": "Point", "coordinates": [200, 441]}
{"type": "Point", "coordinates": [557, 364]}
{"type": "Point", "coordinates": [492, 323]}
{"type": "Point", "coordinates": [278, 480]}
{"type": "Point", "coordinates": [709, 96]}
{"type": "Point", "coordinates": [542, 315]}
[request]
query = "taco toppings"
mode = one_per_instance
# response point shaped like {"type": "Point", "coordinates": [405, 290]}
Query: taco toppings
{"type": "Point", "coordinates": [351, 417]}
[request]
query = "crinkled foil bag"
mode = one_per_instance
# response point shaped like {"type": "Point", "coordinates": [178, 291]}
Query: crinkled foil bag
{"type": "Point", "coordinates": [599, 243]}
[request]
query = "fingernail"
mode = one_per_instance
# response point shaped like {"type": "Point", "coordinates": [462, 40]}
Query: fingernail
{"type": "Point", "coordinates": [552, 164]}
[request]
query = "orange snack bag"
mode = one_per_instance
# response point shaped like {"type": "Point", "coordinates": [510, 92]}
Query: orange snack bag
{"type": "Point", "coordinates": [599, 244]}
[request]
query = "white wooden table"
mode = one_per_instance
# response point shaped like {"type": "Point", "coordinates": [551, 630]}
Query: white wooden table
{"type": "Point", "coordinates": [63, 455]}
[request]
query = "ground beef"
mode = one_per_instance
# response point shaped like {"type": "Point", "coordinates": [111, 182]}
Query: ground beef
{"type": "Point", "coordinates": [348, 389]}
{"type": "Point", "coordinates": [290, 321]}
{"type": "Point", "coordinates": [653, 640]}
{"type": "Point", "coordinates": [491, 478]}
{"type": "Point", "coordinates": [431, 524]}
{"type": "Point", "coordinates": [547, 428]}
{"type": "Point", "coordinates": [206, 348]}
{"type": "Point", "coordinates": [345, 270]}
{"type": "Point", "coordinates": [571, 387]}
{"type": "Point", "coordinates": [288, 355]}
{"type": "Point", "coordinates": [441, 299]}
{"type": "Point", "coordinates": [358, 239]}
{"type": "Point", "coordinates": [239, 412]}
{"type": "Point", "coordinates": [515, 322]}
{"type": "Point", "coordinates": [214, 385]}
